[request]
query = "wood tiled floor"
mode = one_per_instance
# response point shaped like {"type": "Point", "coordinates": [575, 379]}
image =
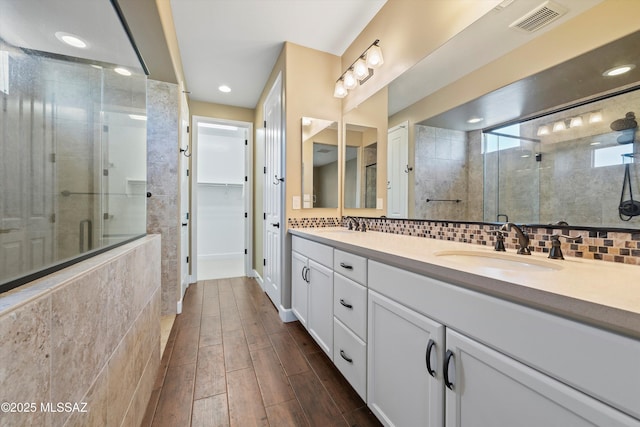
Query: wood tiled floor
{"type": "Point", "coordinates": [230, 361]}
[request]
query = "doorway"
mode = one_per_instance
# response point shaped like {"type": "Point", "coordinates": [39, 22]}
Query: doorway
{"type": "Point", "coordinates": [398, 172]}
{"type": "Point", "coordinates": [221, 198]}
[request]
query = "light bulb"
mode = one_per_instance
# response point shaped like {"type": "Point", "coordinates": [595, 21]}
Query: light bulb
{"type": "Point", "coordinates": [360, 69]}
{"type": "Point", "coordinates": [575, 122]}
{"type": "Point", "coordinates": [558, 126]}
{"type": "Point", "coordinates": [543, 130]}
{"type": "Point", "coordinates": [350, 81]}
{"type": "Point", "coordinates": [595, 117]}
{"type": "Point", "coordinates": [374, 57]}
{"type": "Point", "coordinates": [340, 91]}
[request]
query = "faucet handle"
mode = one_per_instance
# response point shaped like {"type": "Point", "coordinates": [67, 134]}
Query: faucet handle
{"type": "Point", "coordinates": [568, 238]}
{"type": "Point", "coordinates": [499, 242]}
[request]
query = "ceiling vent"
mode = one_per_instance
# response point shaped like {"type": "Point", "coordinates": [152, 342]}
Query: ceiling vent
{"type": "Point", "coordinates": [542, 15]}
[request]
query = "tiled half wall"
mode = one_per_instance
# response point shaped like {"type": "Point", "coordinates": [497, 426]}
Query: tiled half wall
{"type": "Point", "coordinates": [90, 334]}
{"type": "Point", "coordinates": [622, 247]}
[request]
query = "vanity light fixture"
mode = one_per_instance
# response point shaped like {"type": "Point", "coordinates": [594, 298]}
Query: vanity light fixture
{"type": "Point", "coordinates": [559, 125]}
{"type": "Point", "coordinates": [224, 88]}
{"type": "Point", "coordinates": [122, 71]}
{"type": "Point", "coordinates": [71, 39]}
{"type": "Point", "coordinates": [360, 70]}
{"type": "Point", "coordinates": [543, 130]}
{"type": "Point", "coordinates": [621, 69]}
{"type": "Point", "coordinates": [575, 122]}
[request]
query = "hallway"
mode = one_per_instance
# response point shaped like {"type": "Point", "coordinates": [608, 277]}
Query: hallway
{"type": "Point", "coordinates": [230, 361]}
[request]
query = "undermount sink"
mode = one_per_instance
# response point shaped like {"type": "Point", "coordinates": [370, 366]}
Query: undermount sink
{"type": "Point", "coordinates": [499, 261]}
{"type": "Point", "coordinates": [336, 230]}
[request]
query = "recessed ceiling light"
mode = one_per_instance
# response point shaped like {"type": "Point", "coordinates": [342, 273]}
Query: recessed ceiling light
{"type": "Point", "coordinates": [71, 39]}
{"type": "Point", "coordinates": [122, 71]}
{"type": "Point", "coordinates": [475, 120]}
{"type": "Point", "coordinates": [224, 88]}
{"type": "Point", "coordinates": [137, 117]}
{"type": "Point", "coordinates": [616, 71]}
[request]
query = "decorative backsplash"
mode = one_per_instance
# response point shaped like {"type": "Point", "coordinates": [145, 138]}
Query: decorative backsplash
{"type": "Point", "coordinates": [622, 247]}
{"type": "Point", "coordinates": [314, 222]}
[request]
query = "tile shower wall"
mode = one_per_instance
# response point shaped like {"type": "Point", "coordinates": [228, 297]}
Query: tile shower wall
{"type": "Point", "coordinates": [442, 170]}
{"type": "Point", "coordinates": [89, 333]}
{"type": "Point", "coordinates": [163, 210]}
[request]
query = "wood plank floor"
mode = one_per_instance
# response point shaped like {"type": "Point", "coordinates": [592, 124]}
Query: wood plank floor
{"type": "Point", "coordinates": [230, 361]}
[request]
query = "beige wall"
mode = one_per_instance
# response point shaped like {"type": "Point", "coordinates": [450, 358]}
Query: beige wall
{"type": "Point", "coordinates": [219, 111]}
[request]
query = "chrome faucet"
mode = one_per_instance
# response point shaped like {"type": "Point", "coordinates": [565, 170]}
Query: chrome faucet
{"type": "Point", "coordinates": [523, 237]}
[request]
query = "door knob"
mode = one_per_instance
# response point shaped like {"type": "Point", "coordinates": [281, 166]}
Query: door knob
{"type": "Point", "coordinates": [276, 224]}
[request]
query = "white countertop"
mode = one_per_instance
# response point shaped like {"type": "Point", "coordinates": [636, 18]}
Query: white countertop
{"type": "Point", "coordinates": [603, 294]}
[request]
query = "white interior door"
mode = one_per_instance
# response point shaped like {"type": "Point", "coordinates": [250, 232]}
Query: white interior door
{"type": "Point", "coordinates": [27, 177]}
{"type": "Point", "coordinates": [397, 172]}
{"type": "Point", "coordinates": [184, 197]}
{"type": "Point", "coordinates": [273, 193]}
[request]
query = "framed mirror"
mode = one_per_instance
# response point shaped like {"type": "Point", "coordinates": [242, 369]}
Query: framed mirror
{"type": "Point", "coordinates": [319, 163]}
{"type": "Point", "coordinates": [360, 166]}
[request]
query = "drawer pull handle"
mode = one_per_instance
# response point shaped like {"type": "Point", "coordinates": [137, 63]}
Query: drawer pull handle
{"type": "Point", "coordinates": [447, 359]}
{"type": "Point", "coordinates": [345, 304]}
{"type": "Point", "coordinates": [304, 273]}
{"type": "Point", "coordinates": [430, 347]}
{"type": "Point", "coordinates": [344, 356]}
{"type": "Point", "coordinates": [347, 266]}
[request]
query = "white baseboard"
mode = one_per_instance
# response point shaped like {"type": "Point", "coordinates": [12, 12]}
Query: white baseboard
{"type": "Point", "coordinates": [286, 315]}
{"type": "Point", "coordinates": [179, 308]}
{"type": "Point", "coordinates": [258, 279]}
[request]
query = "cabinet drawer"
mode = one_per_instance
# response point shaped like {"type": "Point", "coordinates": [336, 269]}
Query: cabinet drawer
{"type": "Point", "coordinates": [352, 266]}
{"type": "Point", "coordinates": [350, 356]}
{"type": "Point", "coordinates": [318, 252]}
{"type": "Point", "coordinates": [350, 304]}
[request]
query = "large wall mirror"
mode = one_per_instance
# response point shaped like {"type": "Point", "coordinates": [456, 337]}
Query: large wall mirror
{"type": "Point", "coordinates": [544, 149]}
{"type": "Point", "coordinates": [360, 166]}
{"type": "Point", "coordinates": [319, 163]}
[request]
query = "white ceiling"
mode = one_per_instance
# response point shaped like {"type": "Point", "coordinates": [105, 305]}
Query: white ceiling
{"type": "Point", "coordinates": [237, 42]}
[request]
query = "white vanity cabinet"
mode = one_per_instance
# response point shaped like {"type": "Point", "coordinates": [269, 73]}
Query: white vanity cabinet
{"type": "Point", "coordinates": [500, 363]}
{"type": "Point", "coordinates": [405, 351]}
{"type": "Point", "coordinates": [312, 289]}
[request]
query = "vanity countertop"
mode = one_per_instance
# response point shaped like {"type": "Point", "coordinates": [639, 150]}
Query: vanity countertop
{"type": "Point", "coordinates": [602, 294]}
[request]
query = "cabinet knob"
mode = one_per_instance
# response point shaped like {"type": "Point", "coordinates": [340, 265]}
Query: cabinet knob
{"type": "Point", "coordinates": [447, 358]}
{"type": "Point", "coordinates": [430, 345]}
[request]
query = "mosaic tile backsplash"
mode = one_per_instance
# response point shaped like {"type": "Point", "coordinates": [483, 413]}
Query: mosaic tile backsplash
{"type": "Point", "coordinates": [622, 247]}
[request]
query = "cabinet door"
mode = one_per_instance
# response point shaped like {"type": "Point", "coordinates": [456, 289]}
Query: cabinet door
{"type": "Point", "coordinates": [299, 287]}
{"type": "Point", "coordinates": [320, 319]}
{"type": "Point", "coordinates": [491, 389]}
{"type": "Point", "coordinates": [400, 390]}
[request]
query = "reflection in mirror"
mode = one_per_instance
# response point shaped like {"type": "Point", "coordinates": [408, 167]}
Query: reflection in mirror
{"type": "Point", "coordinates": [497, 176]}
{"type": "Point", "coordinates": [319, 163]}
{"type": "Point", "coordinates": [360, 167]}
{"type": "Point", "coordinates": [578, 165]}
